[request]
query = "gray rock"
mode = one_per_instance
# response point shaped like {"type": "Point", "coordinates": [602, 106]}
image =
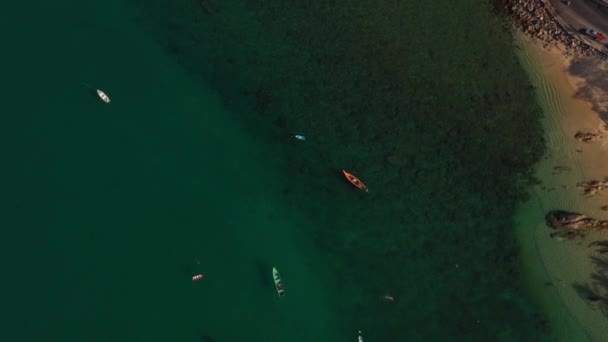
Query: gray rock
{"type": "Point", "coordinates": [560, 219]}
{"type": "Point", "coordinates": [588, 137]}
{"type": "Point", "coordinates": [592, 187]}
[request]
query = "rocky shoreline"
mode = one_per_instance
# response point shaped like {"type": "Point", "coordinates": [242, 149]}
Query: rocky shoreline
{"type": "Point", "coordinates": [535, 19]}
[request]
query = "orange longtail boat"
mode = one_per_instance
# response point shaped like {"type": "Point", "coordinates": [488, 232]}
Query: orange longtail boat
{"type": "Point", "coordinates": [355, 181]}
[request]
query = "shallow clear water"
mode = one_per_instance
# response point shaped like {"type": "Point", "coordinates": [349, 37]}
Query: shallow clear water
{"type": "Point", "coordinates": [191, 169]}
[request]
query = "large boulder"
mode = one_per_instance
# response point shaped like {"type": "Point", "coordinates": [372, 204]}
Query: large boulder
{"type": "Point", "coordinates": [559, 219]}
{"type": "Point", "coordinates": [592, 187]}
{"type": "Point", "coordinates": [588, 137]}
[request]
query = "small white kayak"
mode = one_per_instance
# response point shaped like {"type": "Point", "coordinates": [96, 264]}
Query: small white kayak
{"type": "Point", "coordinates": [103, 96]}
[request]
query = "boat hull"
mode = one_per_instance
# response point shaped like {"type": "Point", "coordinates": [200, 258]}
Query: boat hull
{"type": "Point", "coordinates": [277, 282]}
{"type": "Point", "coordinates": [105, 98]}
{"type": "Point", "coordinates": [355, 181]}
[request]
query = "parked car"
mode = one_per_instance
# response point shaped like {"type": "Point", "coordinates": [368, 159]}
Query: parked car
{"type": "Point", "coordinates": [593, 34]}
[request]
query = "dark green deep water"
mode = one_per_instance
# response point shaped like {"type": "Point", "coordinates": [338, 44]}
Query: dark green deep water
{"type": "Point", "coordinates": [110, 209]}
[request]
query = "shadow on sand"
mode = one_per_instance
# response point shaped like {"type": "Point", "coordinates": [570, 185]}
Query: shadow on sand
{"type": "Point", "coordinates": [596, 292]}
{"type": "Point", "coordinates": [594, 86]}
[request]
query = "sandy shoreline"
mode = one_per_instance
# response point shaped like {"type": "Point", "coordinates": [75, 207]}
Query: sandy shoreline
{"type": "Point", "coordinates": [570, 92]}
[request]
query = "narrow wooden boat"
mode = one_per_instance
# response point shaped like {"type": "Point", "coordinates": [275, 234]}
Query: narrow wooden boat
{"type": "Point", "coordinates": [355, 181]}
{"type": "Point", "coordinates": [105, 98]}
{"type": "Point", "coordinates": [277, 282]}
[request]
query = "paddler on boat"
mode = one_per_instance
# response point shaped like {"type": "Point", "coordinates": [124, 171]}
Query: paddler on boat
{"type": "Point", "coordinates": [355, 181]}
{"type": "Point", "coordinates": [389, 298]}
{"type": "Point", "coordinates": [103, 96]}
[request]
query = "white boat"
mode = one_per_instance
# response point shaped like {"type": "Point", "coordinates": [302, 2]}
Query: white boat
{"type": "Point", "coordinates": [277, 282]}
{"type": "Point", "coordinates": [103, 96]}
{"type": "Point", "coordinates": [360, 339]}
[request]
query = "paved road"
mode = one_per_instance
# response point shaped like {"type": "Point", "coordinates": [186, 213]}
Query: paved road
{"type": "Point", "coordinates": [583, 14]}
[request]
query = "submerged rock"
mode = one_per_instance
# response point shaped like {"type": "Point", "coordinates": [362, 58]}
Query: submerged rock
{"type": "Point", "coordinates": [561, 168]}
{"type": "Point", "coordinates": [575, 221]}
{"type": "Point", "coordinates": [592, 187]}
{"type": "Point", "coordinates": [562, 235]}
{"type": "Point", "coordinates": [601, 245]}
{"type": "Point", "coordinates": [588, 137]}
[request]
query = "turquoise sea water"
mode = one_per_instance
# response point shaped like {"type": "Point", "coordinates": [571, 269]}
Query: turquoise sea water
{"type": "Point", "coordinates": [110, 209]}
